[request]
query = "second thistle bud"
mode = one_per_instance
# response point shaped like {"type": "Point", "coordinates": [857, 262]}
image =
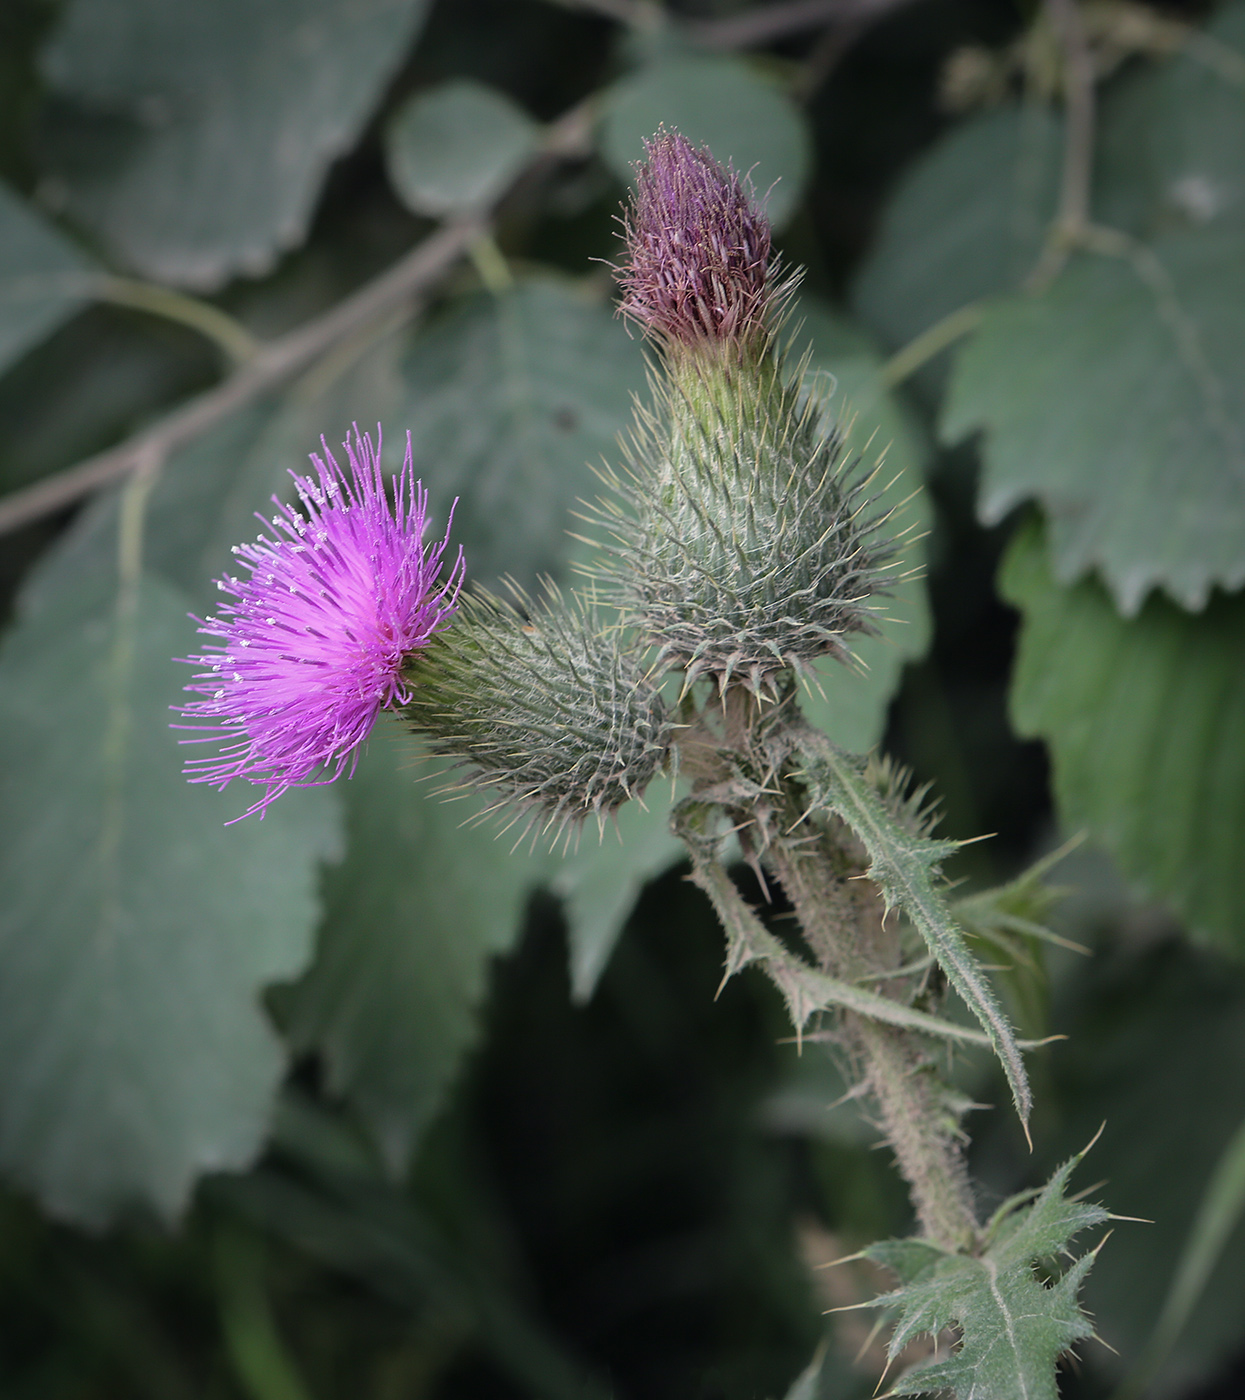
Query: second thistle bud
{"type": "Point", "coordinates": [541, 706]}
{"type": "Point", "coordinates": [746, 546]}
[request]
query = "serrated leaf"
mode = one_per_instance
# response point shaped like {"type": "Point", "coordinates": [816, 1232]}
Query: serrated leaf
{"type": "Point", "coordinates": [851, 705]}
{"type": "Point", "coordinates": [903, 865]}
{"type": "Point", "coordinates": [967, 221]}
{"type": "Point", "coordinates": [720, 102]}
{"type": "Point", "coordinates": [43, 278]}
{"type": "Point", "coordinates": [413, 917]}
{"type": "Point", "coordinates": [136, 929]}
{"type": "Point", "coordinates": [1014, 1327]}
{"type": "Point", "coordinates": [194, 137]}
{"type": "Point", "coordinates": [599, 883]}
{"type": "Point", "coordinates": [1110, 397]}
{"type": "Point", "coordinates": [1146, 725]}
{"type": "Point", "coordinates": [511, 400]}
{"type": "Point", "coordinates": [457, 147]}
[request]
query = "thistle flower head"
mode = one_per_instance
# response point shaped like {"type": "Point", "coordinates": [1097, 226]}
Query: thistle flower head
{"type": "Point", "coordinates": [698, 252]}
{"type": "Point", "coordinates": [550, 716]}
{"type": "Point", "coordinates": [311, 646]}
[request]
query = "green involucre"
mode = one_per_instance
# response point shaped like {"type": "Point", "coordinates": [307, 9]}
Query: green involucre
{"type": "Point", "coordinates": [744, 546]}
{"type": "Point", "coordinates": [545, 707]}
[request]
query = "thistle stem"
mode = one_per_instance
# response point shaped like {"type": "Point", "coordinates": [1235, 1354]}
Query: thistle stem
{"type": "Point", "coordinates": [843, 921]}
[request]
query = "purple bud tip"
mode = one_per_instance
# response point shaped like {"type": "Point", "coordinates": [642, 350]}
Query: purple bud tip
{"type": "Point", "coordinates": [310, 648]}
{"type": "Point", "coordinates": [698, 251]}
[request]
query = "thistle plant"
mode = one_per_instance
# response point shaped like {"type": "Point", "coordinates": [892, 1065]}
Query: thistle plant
{"type": "Point", "coordinates": [739, 543]}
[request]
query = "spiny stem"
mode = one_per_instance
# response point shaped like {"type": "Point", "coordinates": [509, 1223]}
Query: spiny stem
{"type": "Point", "coordinates": [844, 927]}
{"type": "Point", "coordinates": [920, 1130]}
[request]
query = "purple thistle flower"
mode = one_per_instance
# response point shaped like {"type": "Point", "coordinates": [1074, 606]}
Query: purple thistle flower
{"type": "Point", "coordinates": [698, 252]}
{"type": "Point", "coordinates": [312, 646]}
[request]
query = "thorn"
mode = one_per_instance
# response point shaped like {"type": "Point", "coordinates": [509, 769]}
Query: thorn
{"type": "Point", "coordinates": [1101, 1129]}
{"type": "Point", "coordinates": [846, 1259]}
{"type": "Point", "coordinates": [869, 1340]}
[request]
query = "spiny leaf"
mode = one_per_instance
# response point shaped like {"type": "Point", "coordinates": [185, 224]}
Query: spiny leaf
{"type": "Point", "coordinates": [903, 865]}
{"type": "Point", "coordinates": [804, 988]}
{"type": "Point", "coordinates": [1014, 1327]}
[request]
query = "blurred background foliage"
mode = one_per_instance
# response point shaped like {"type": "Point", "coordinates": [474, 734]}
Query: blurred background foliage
{"type": "Point", "coordinates": [356, 1101]}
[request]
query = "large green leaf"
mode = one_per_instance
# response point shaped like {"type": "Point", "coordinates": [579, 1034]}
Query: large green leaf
{"type": "Point", "coordinates": [1171, 144]}
{"type": "Point", "coordinates": [1014, 1326]}
{"type": "Point", "coordinates": [413, 917]}
{"type": "Point", "coordinates": [599, 881]}
{"type": "Point", "coordinates": [1111, 397]}
{"type": "Point", "coordinates": [1146, 725]}
{"type": "Point", "coordinates": [849, 704]}
{"type": "Point", "coordinates": [967, 221]}
{"type": "Point", "coordinates": [457, 147]}
{"type": "Point", "coordinates": [195, 137]}
{"type": "Point", "coordinates": [43, 278]}
{"type": "Point", "coordinates": [136, 929]}
{"type": "Point", "coordinates": [1156, 1035]}
{"type": "Point", "coordinates": [511, 400]}
{"type": "Point", "coordinates": [720, 102]}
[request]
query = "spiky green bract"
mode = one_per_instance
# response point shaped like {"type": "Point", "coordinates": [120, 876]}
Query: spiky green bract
{"type": "Point", "coordinates": [1014, 1303]}
{"type": "Point", "coordinates": [547, 712]}
{"type": "Point", "coordinates": [744, 545]}
{"type": "Point", "coordinates": [904, 865]}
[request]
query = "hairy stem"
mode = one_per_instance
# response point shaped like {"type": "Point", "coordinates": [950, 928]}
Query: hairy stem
{"type": "Point", "coordinates": [843, 922]}
{"type": "Point", "coordinates": [920, 1128]}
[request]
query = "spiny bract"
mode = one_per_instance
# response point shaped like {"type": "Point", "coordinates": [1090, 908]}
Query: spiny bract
{"type": "Point", "coordinates": [547, 713]}
{"type": "Point", "coordinates": [743, 545]}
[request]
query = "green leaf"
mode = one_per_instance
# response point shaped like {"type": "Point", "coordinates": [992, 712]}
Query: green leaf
{"type": "Point", "coordinates": [1146, 724]}
{"type": "Point", "coordinates": [1156, 1032]}
{"type": "Point", "coordinates": [1171, 142]}
{"type": "Point", "coordinates": [1014, 1327]}
{"type": "Point", "coordinates": [723, 103]}
{"type": "Point", "coordinates": [599, 883]}
{"type": "Point", "coordinates": [851, 705]}
{"type": "Point", "coordinates": [457, 147]}
{"type": "Point", "coordinates": [903, 866]}
{"type": "Point", "coordinates": [43, 278]}
{"type": "Point", "coordinates": [413, 918]}
{"type": "Point", "coordinates": [1110, 397]}
{"type": "Point", "coordinates": [194, 137]}
{"type": "Point", "coordinates": [967, 221]}
{"type": "Point", "coordinates": [1220, 1212]}
{"type": "Point", "coordinates": [511, 400]}
{"type": "Point", "coordinates": [136, 929]}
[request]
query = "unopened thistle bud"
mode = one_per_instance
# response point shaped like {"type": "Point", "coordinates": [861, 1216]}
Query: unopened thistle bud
{"type": "Point", "coordinates": [746, 545]}
{"type": "Point", "coordinates": [697, 274]}
{"type": "Point", "coordinates": [542, 708]}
